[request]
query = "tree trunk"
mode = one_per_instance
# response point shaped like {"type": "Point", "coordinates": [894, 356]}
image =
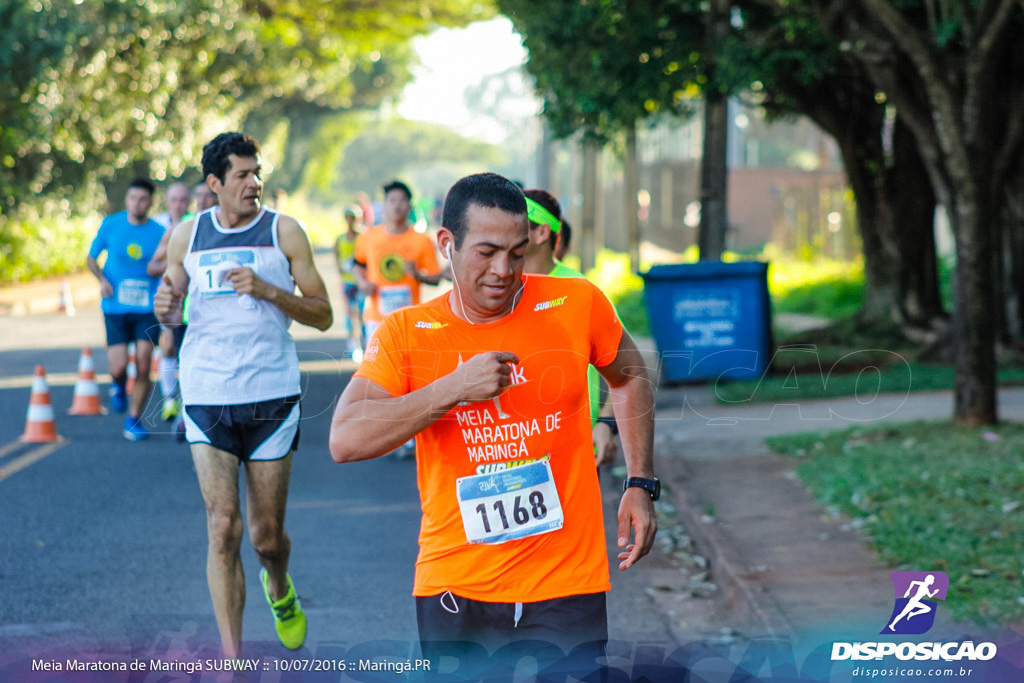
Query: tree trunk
{"type": "Point", "coordinates": [588, 240]}
{"type": "Point", "coordinates": [714, 165]}
{"type": "Point", "coordinates": [1011, 284]}
{"type": "Point", "coordinates": [895, 203]}
{"type": "Point", "coordinates": [544, 156]}
{"type": "Point", "coordinates": [632, 188]}
{"type": "Point", "coordinates": [713, 179]}
{"type": "Point", "coordinates": [910, 204]}
{"type": "Point", "coordinates": [974, 315]}
{"type": "Point", "coordinates": [895, 213]}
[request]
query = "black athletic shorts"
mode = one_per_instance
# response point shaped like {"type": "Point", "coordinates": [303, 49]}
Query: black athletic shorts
{"type": "Point", "coordinates": [472, 640]}
{"type": "Point", "coordinates": [179, 337]}
{"type": "Point", "coordinates": [123, 328]}
{"type": "Point", "coordinates": [268, 430]}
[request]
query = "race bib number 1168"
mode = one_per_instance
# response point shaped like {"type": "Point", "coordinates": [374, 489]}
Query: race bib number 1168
{"type": "Point", "coordinates": [511, 504]}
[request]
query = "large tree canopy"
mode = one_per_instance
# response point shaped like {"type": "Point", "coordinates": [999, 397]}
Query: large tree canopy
{"type": "Point", "coordinates": [933, 88]}
{"type": "Point", "coordinates": [396, 147]}
{"type": "Point", "coordinates": [603, 66]}
{"type": "Point", "coordinates": [90, 90]}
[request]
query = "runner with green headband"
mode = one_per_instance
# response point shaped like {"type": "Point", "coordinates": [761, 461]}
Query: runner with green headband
{"type": "Point", "coordinates": [545, 213]}
{"type": "Point", "coordinates": [539, 215]}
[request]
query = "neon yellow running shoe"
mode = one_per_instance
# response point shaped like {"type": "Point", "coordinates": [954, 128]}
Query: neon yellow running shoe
{"type": "Point", "coordinates": [170, 409]}
{"type": "Point", "coordinates": [289, 618]}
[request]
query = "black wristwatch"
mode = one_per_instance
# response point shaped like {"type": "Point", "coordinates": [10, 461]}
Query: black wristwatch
{"type": "Point", "coordinates": [652, 486]}
{"type": "Point", "coordinates": [612, 424]}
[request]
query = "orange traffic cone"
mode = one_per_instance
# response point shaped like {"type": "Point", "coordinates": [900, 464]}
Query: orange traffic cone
{"type": "Point", "coordinates": [66, 306]}
{"type": "Point", "coordinates": [86, 400]}
{"type": "Point", "coordinates": [39, 424]}
{"type": "Point", "coordinates": [133, 369]}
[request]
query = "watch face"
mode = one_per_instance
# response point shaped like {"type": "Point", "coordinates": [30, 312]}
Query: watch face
{"type": "Point", "coordinates": [652, 486]}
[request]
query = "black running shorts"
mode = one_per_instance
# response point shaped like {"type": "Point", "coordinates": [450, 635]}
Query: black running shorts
{"type": "Point", "coordinates": [268, 430]}
{"type": "Point", "coordinates": [469, 639]}
{"type": "Point", "coordinates": [123, 328]}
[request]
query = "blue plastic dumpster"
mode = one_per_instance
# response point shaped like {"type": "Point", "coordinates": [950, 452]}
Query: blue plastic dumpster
{"type": "Point", "coordinates": [710, 320]}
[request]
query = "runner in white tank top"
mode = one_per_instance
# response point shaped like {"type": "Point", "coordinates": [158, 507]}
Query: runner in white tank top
{"type": "Point", "coordinates": [240, 265]}
{"type": "Point", "coordinates": [238, 349]}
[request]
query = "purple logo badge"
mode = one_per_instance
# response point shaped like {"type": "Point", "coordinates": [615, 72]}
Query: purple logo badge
{"type": "Point", "coordinates": [915, 593]}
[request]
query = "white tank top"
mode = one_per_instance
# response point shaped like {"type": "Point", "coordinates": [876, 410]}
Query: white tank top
{"type": "Point", "coordinates": [237, 349]}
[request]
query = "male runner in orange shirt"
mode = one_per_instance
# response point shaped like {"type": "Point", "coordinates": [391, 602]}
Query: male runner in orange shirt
{"type": "Point", "coordinates": [491, 380]}
{"type": "Point", "coordinates": [389, 259]}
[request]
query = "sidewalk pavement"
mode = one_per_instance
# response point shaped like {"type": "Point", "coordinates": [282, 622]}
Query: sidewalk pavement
{"type": "Point", "coordinates": [786, 566]}
{"type": "Point", "coordinates": [44, 295]}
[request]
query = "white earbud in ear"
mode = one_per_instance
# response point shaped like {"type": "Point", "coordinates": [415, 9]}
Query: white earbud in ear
{"type": "Point", "coordinates": [449, 250]}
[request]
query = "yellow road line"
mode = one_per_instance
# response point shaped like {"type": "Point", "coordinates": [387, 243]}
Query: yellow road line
{"type": "Point", "coordinates": [54, 379]}
{"type": "Point", "coordinates": [68, 379]}
{"type": "Point", "coordinates": [4, 450]}
{"type": "Point", "coordinates": [328, 365]}
{"type": "Point", "coordinates": [29, 458]}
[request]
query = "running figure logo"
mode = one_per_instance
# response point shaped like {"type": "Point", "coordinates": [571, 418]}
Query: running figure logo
{"type": "Point", "coordinates": [915, 593]}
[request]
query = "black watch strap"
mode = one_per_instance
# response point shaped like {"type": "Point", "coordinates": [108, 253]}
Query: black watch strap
{"type": "Point", "coordinates": [612, 424]}
{"type": "Point", "coordinates": [652, 486]}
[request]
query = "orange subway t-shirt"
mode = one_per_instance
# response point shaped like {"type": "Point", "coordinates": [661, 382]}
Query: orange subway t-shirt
{"type": "Point", "coordinates": [385, 256]}
{"type": "Point", "coordinates": [558, 327]}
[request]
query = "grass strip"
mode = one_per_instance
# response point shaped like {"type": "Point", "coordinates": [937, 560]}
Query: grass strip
{"type": "Point", "coordinates": [862, 374]}
{"type": "Point", "coordinates": [931, 497]}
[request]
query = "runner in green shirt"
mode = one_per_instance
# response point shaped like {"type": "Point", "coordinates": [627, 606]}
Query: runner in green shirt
{"type": "Point", "coordinates": [545, 224]}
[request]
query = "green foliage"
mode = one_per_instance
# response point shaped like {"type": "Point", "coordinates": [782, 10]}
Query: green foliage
{"type": "Point", "coordinates": [931, 496]}
{"type": "Point", "coordinates": [94, 93]}
{"type": "Point", "coordinates": [832, 298]}
{"type": "Point", "coordinates": [612, 273]}
{"type": "Point", "coordinates": [946, 269]}
{"type": "Point", "coordinates": [323, 223]}
{"type": "Point", "coordinates": [781, 55]}
{"type": "Point", "coordinates": [321, 169]}
{"type": "Point", "coordinates": [819, 287]}
{"type": "Point", "coordinates": [44, 245]}
{"type": "Point", "coordinates": [603, 66]}
{"type": "Point", "coordinates": [632, 312]}
{"type": "Point", "coordinates": [835, 298]}
{"type": "Point", "coordinates": [388, 149]}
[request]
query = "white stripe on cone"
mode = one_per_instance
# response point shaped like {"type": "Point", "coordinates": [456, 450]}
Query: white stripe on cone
{"type": "Point", "coordinates": [39, 413]}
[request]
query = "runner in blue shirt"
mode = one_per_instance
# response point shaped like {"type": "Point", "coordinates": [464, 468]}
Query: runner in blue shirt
{"type": "Point", "coordinates": [129, 238]}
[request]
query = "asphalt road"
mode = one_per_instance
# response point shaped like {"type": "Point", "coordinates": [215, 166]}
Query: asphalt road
{"type": "Point", "coordinates": [101, 533]}
{"type": "Point", "coordinates": [102, 549]}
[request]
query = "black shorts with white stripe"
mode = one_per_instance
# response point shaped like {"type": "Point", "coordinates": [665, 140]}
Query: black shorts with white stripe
{"type": "Point", "coordinates": [267, 430]}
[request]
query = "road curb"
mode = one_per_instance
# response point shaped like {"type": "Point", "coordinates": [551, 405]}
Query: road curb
{"type": "Point", "coordinates": [749, 601]}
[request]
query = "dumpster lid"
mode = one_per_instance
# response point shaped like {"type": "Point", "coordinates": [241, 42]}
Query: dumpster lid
{"type": "Point", "coordinates": [705, 269]}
